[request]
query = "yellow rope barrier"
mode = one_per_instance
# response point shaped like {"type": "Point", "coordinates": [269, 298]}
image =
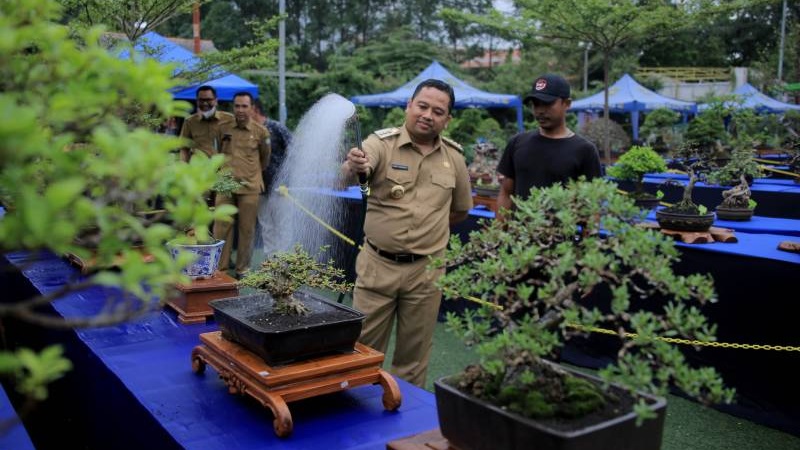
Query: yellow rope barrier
{"type": "Point", "coordinates": [284, 191]}
{"type": "Point", "coordinates": [783, 172]}
{"type": "Point", "coordinates": [782, 348]}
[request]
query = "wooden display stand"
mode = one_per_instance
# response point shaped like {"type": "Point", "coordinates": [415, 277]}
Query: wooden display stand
{"type": "Point", "coordinates": [489, 202]}
{"type": "Point", "coordinates": [274, 387]}
{"type": "Point", "coordinates": [427, 440]}
{"type": "Point", "coordinates": [192, 301]}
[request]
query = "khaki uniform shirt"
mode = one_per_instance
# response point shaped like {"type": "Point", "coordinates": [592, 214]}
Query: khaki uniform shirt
{"type": "Point", "coordinates": [247, 151]}
{"type": "Point", "coordinates": [203, 133]}
{"type": "Point", "coordinates": [412, 195]}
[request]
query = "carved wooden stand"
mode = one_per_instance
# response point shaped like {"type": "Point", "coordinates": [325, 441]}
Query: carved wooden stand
{"type": "Point", "coordinates": [274, 387]}
{"type": "Point", "coordinates": [192, 301]}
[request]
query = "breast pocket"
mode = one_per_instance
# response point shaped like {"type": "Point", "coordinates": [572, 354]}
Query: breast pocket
{"type": "Point", "coordinates": [441, 188]}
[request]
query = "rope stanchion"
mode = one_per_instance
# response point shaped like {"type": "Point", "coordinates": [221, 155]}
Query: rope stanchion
{"type": "Point", "coordinates": [781, 348]}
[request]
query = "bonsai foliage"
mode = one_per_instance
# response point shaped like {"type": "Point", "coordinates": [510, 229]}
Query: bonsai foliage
{"type": "Point", "coordinates": [695, 160]}
{"type": "Point", "coordinates": [71, 166]}
{"type": "Point", "coordinates": [282, 274]}
{"type": "Point", "coordinates": [537, 273]}
{"type": "Point", "coordinates": [658, 128]}
{"type": "Point", "coordinates": [601, 128]}
{"type": "Point", "coordinates": [741, 164]}
{"type": "Point", "coordinates": [634, 164]}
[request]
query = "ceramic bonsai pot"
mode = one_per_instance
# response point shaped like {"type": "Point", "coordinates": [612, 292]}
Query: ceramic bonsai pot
{"type": "Point", "coordinates": [281, 338]}
{"type": "Point", "coordinates": [470, 423]}
{"type": "Point", "coordinates": [487, 191]}
{"type": "Point", "coordinates": [735, 214]}
{"type": "Point", "coordinates": [650, 202]}
{"type": "Point", "coordinates": [684, 222]}
{"type": "Point", "coordinates": [206, 260]}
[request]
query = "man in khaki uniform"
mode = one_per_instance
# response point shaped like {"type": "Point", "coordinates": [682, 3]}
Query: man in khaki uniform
{"type": "Point", "coordinates": [419, 186]}
{"type": "Point", "coordinates": [202, 127]}
{"type": "Point", "coordinates": [245, 145]}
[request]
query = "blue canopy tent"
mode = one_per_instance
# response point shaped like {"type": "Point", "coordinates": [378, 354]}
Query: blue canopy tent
{"type": "Point", "coordinates": [166, 51]}
{"type": "Point", "coordinates": [628, 96]}
{"type": "Point", "coordinates": [466, 95]}
{"type": "Point", "coordinates": [750, 97]}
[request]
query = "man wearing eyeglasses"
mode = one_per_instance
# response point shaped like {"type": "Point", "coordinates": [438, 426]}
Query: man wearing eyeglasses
{"type": "Point", "coordinates": [202, 127]}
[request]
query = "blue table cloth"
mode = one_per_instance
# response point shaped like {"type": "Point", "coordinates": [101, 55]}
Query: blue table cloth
{"type": "Point", "coordinates": [145, 367]}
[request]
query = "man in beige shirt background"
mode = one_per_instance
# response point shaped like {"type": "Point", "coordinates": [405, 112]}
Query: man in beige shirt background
{"type": "Point", "coordinates": [246, 147]}
{"type": "Point", "coordinates": [202, 127]}
{"type": "Point", "coordinates": [419, 186]}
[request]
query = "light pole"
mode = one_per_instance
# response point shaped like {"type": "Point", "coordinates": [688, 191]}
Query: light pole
{"type": "Point", "coordinates": [783, 38]}
{"type": "Point", "coordinates": [282, 63]}
{"type": "Point", "coordinates": [587, 46]}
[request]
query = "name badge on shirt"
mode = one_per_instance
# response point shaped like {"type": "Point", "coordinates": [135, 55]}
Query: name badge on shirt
{"type": "Point", "coordinates": [399, 166]}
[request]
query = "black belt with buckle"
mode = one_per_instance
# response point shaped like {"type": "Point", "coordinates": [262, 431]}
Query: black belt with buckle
{"type": "Point", "coordinates": [396, 257]}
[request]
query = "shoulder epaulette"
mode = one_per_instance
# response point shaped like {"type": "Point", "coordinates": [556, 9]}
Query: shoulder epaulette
{"type": "Point", "coordinates": [387, 132]}
{"type": "Point", "coordinates": [453, 144]}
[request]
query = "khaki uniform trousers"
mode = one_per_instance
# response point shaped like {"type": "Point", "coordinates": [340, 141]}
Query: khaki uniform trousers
{"type": "Point", "coordinates": [386, 290]}
{"type": "Point", "coordinates": [245, 220]}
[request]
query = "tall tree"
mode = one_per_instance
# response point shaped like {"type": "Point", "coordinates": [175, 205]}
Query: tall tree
{"type": "Point", "coordinates": [131, 17]}
{"type": "Point", "coordinates": [606, 24]}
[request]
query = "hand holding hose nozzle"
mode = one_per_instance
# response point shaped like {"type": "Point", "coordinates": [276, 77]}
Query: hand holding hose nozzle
{"type": "Point", "coordinates": [363, 183]}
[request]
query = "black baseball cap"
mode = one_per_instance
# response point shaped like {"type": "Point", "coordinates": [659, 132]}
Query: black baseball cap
{"type": "Point", "coordinates": [548, 88]}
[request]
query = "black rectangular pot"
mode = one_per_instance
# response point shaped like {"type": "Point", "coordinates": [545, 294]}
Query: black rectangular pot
{"type": "Point", "coordinates": [328, 328]}
{"type": "Point", "coordinates": [469, 423]}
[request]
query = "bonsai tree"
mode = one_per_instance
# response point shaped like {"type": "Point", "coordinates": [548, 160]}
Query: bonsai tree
{"type": "Point", "coordinates": [282, 274]}
{"type": "Point", "coordinates": [738, 197]}
{"type": "Point", "coordinates": [72, 162]}
{"type": "Point", "coordinates": [533, 276]}
{"type": "Point", "coordinates": [741, 164]}
{"type": "Point", "coordinates": [634, 164]}
{"type": "Point", "coordinates": [658, 128]}
{"type": "Point", "coordinates": [694, 159]}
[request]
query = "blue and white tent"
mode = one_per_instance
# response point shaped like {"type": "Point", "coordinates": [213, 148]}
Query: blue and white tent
{"type": "Point", "coordinates": [166, 51]}
{"type": "Point", "coordinates": [466, 95]}
{"type": "Point", "coordinates": [750, 97]}
{"type": "Point", "coordinates": [628, 96]}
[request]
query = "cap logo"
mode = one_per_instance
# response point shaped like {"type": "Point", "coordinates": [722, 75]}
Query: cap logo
{"type": "Point", "coordinates": [541, 83]}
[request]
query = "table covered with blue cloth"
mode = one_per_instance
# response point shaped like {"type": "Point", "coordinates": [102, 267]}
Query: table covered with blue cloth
{"type": "Point", "coordinates": [133, 387]}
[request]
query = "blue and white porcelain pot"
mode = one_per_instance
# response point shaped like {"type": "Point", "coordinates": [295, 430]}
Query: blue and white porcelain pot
{"type": "Point", "coordinates": [206, 258]}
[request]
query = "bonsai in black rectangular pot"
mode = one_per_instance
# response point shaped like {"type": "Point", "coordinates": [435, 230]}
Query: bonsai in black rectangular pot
{"type": "Point", "coordinates": [532, 275]}
{"type": "Point", "coordinates": [284, 324]}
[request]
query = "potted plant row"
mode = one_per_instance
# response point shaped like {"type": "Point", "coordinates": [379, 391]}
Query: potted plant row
{"type": "Point", "coordinates": [534, 275]}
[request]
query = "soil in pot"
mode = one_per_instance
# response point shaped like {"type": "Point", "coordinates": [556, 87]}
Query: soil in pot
{"type": "Point", "coordinates": [472, 423]}
{"type": "Point", "coordinates": [281, 338]}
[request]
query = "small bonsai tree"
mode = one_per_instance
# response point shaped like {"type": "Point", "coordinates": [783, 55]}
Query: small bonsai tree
{"type": "Point", "coordinates": [695, 160]}
{"type": "Point", "coordinates": [738, 197]}
{"type": "Point", "coordinates": [534, 274]}
{"type": "Point", "coordinates": [282, 274]}
{"type": "Point", "coordinates": [634, 164]}
{"type": "Point", "coordinates": [657, 128]}
{"type": "Point", "coordinates": [741, 164]}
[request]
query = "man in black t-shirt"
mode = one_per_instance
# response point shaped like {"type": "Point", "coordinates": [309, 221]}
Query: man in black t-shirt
{"type": "Point", "coordinates": [553, 153]}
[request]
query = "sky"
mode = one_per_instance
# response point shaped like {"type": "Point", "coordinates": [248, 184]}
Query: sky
{"type": "Point", "coordinates": [503, 5]}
